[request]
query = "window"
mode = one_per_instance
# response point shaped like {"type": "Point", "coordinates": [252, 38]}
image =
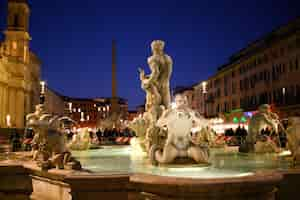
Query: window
{"type": "Point", "coordinates": [14, 45]}
{"type": "Point", "coordinates": [16, 20]}
{"type": "Point", "coordinates": [233, 104]}
{"type": "Point", "coordinates": [282, 51]}
{"type": "Point", "coordinates": [233, 88]}
{"type": "Point", "coordinates": [241, 85]}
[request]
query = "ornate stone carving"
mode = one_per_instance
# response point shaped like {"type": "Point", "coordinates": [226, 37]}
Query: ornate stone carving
{"type": "Point", "coordinates": [255, 142]}
{"type": "Point", "coordinates": [293, 138]}
{"type": "Point", "coordinates": [177, 124]}
{"type": "Point", "coordinates": [164, 132]}
{"type": "Point", "coordinates": [49, 147]}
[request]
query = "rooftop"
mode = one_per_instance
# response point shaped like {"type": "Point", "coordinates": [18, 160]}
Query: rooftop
{"type": "Point", "coordinates": [277, 34]}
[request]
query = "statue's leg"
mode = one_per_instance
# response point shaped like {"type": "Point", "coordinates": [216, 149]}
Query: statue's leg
{"type": "Point", "coordinates": [168, 154]}
{"type": "Point", "coordinates": [198, 154]}
{"type": "Point", "coordinates": [249, 144]}
{"type": "Point", "coordinates": [67, 157]}
{"type": "Point", "coordinates": [165, 95]}
{"type": "Point", "coordinates": [57, 160]}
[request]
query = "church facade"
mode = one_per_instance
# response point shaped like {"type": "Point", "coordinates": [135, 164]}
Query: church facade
{"type": "Point", "coordinates": [19, 68]}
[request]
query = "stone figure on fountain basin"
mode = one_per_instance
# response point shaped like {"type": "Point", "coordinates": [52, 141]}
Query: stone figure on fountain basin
{"type": "Point", "coordinates": [48, 144]}
{"type": "Point", "coordinates": [165, 132]}
{"type": "Point", "coordinates": [293, 138]}
{"type": "Point", "coordinates": [157, 88]}
{"type": "Point", "coordinates": [255, 141]}
{"type": "Point", "coordinates": [178, 123]}
{"type": "Point", "coordinates": [80, 140]}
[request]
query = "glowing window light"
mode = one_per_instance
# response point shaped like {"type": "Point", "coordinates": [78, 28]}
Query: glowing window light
{"type": "Point", "coordinates": [283, 91]}
{"type": "Point", "coordinates": [70, 106]}
{"type": "Point", "coordinates": [14, 45]}
{"type": "Point", "coordinates": [82, 117]}
{"type": "Point", "coordinates": [204, 87]}
{"type": "Point", "coordinates": [8, 122]}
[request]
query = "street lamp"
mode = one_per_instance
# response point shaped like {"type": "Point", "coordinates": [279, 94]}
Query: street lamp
{"type": "Point", "coordinates": [42, 92]}
{"type": "Point", "coordinates": [43, 84]}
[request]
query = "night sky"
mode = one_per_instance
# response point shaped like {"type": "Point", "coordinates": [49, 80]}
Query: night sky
{"type": "Point", "coordinates": [73, 39]}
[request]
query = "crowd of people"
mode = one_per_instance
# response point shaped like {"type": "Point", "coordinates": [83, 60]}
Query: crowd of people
{"type": "Point", "coordinates": [107, 135]}
{"type": "Point", "coordinates": [235, 137]}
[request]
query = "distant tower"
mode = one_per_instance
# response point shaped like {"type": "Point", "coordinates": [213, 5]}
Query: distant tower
{"type": "Point", "coordinates": [114, 99]}
{"type": "Point", "coordinates": [17, 36]}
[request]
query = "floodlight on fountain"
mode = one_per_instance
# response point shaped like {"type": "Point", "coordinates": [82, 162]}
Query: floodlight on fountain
{"type": "Point", "coordinates": [8, 120]}
{"type": "Point", "coordinates": [173, 105]}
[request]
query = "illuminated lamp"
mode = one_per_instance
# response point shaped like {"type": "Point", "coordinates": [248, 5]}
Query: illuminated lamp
{"type": "Point", "coordinates": [243, 119]}
{"type": "Point", "coordinates": [235, 120]}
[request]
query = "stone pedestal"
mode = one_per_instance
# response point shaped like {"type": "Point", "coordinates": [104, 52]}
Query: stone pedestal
{"type": "Point", "coordinates": [255, 187]}
{"type": "Point", "coordinates": [19, 182]}
{"type": "Point", "coordinates": [98, 187]}
{"type": "Point", "coordinates": [15, 182]}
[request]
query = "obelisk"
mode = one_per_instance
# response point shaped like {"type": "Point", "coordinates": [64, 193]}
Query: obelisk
{"type": "Point", "coordinates": [114, 97]}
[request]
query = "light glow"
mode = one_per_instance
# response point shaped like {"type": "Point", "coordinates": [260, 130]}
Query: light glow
{"type": "Point", "coordinates": [42, 83]}
{"type": "Point", "coordinates": [8, 122]}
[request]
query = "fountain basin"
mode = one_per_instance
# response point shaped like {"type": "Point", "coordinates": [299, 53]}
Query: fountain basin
{"type": "Point", "coordinates": [113, 172]}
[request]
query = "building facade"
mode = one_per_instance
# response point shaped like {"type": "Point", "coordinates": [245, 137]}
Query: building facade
{"type": "Point", "coordinates": [266, 71]}
{"type": "Point", "coordinates": [19, 68]}
{"type": "Point", "coordinates": [199, 97]}
{"type": "Point", "coordinates": [91, 112]}
{"type": "Point", "coordinates": [54, 102]}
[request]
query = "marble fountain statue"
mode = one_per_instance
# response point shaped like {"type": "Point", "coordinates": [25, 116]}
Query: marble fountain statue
{"type": "Point", "coordinates": [81, 140]}
{"type": "Point", "coordinates": [165, 132]}
{"type": "Point", "coordinates": [48, 145]}
{"type": "Point", "coordinates": [255, 142]}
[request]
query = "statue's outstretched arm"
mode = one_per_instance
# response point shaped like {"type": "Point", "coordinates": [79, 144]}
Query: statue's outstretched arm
{"type": "Point", "coordinates": [142, 74]}
{"type": "Point", "coordinates": [268, 120]}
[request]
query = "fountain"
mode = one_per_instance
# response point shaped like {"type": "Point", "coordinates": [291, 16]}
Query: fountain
{"type": "Point", "coordinates": [165, 131]}
{"type": "Point", "coordinates": [48, 144]}
{"type": "Point", "coordinates": [81, 140]}
{"type": "Point", "coordinates": [174, 156]}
